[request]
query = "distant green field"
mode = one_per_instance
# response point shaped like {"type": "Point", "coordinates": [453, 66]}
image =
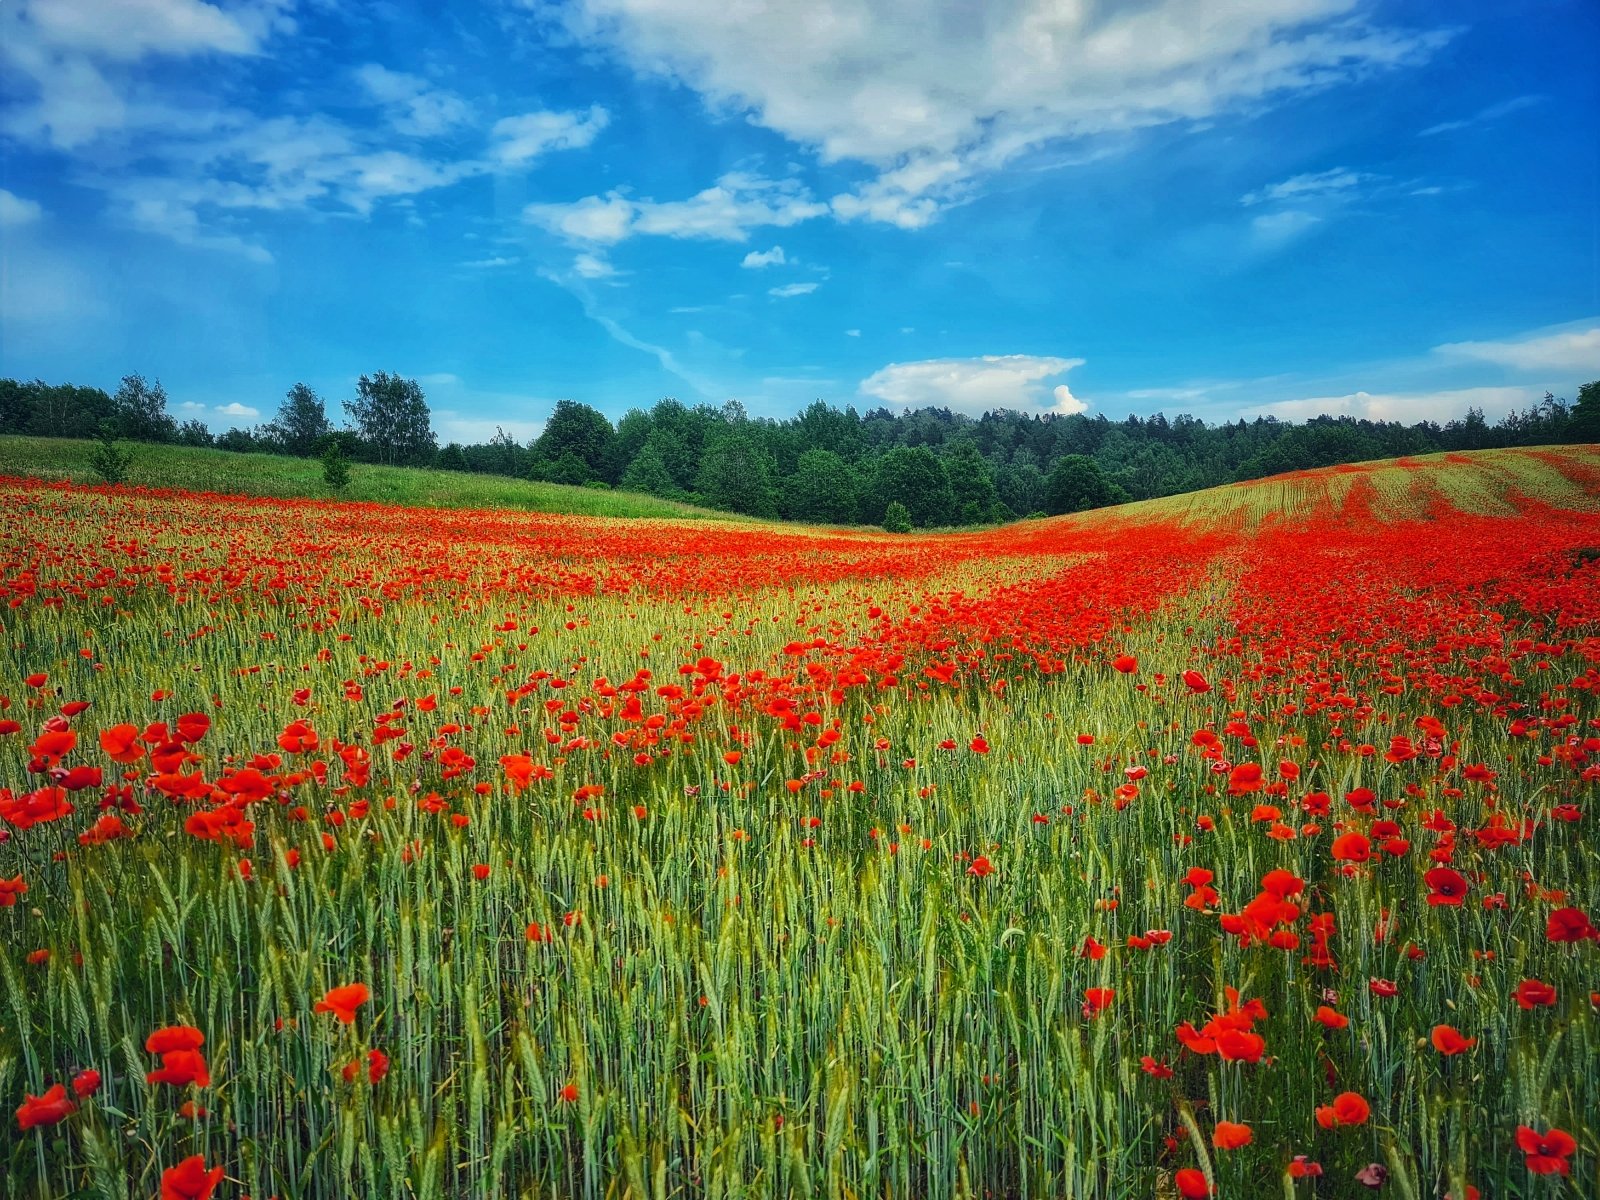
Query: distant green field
{"type": "Point", "coordinates": [198, 470]}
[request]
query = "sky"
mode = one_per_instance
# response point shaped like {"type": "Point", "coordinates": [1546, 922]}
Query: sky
{"type": "Point", "coordinates": [1230, 209]}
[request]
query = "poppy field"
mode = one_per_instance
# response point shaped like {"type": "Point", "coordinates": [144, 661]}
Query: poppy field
{"type": "Point", "coordinates": [1238, 844]}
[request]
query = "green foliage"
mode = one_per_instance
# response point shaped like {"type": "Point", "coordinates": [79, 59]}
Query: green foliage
{"type": "Point", "coordinates": [578, 431]}
{"type": "Point", "coordinates": [568, 469]}
{"type": "Point", "coordinates": [972, 485]}
{"type": "Point", "coordinates": [301, 423]}
{"type": "Point", "coordinates": [823, 490]}
{"type": "Point", "coordinates": [1077, 484]}
{"type": "Point", "coordinates": [991, 467]}
{"type": "Point", "coordinates": [141, 411]}
{"type": "Point", "coordinates": [896, 518]}
{"type": "Point", "coordinates": [648, 474]}
{"type": "Point", "coordinates": [736, 475]}
{"type": "Point", "coordinates": [451, 458]}
{"type": "Point", "coordinates": [335, 467]}
{"type": "Point", "coordinates": [916, 478]}
{"type": "Point", "coordinates": [392, 415]}
{"type": "Point", "coordinates": [194, 433]}
{"type": "Point", "coordinates": [1584, 425]}
{"type": "Point", "coordinates": [109, 459]}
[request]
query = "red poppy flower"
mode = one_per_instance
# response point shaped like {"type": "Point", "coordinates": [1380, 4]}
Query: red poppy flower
{"type": "Point", "coordinates": [1230, 1135]}
{"type": "Point", "coordinates": [1531, 994]}
{"type": "Point", "coordinates": [1446, 886]}
{"type": "Point", "coordinates": [1096, 1000]}
{"type": "Point", "coordinates": [1547, 1152]}
{"type": "Point", "coordinates": [1191, 1183]}
{"type": "Point", "coordinates": [1569, 925]}
{"type": "Point", "coordinates": [48, 1109]}
{"type": "Point", "coordinates": [569, 1094]}
{"type": "Point", "coordinates": [343, 1001]}
{"type": "Point", "coordinates": [1329, 1018]}
{"type": "Point", "coordinates": [10, 889]}
{"type": "Point", "coordinates": [181, 1068]}
{"type": "Point", "coordinates": [190, 1180]}
{"type": "Point", "coordinates": [1447, 1040]}
{"type": "Point", "coordinates": [1195, 682]}
{"type": "Point", "coordinates": [1348, 1108]}
{"type": "Point", "coordinates": [86, 1083]}
{"type": "Point", "coordinates": [1154, 1069]}
{"type": "Point", "coordinates": [121, 743]}
{"type": "Point", "coordinates": [377, 1066]}
{"type": "Point", "coordinates": [1352, 847]}
{"type": "Point", "coordinates": [980, 867]}
{"type": "Point", "coordinates": [174, 1037]}
{"type": "Point", "coordinates": [1125, 663]}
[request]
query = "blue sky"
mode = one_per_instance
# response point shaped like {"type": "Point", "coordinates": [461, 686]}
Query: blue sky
{"type": "Point", "coordinates": [1228, 208]}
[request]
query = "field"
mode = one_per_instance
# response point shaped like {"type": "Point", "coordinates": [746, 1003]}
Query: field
{"type": "Point", "coordinates": [1241, 843]}
{"type": "Point", "coordinates": [193, 469]}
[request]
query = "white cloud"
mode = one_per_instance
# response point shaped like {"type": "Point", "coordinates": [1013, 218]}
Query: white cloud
{"type": "Point", "coordinates": [976, 385]}
{"type": "Point", "coordinates": [89, 78]}
{"type": "Point", "coordinates": [787, 290]}
{"type": "Point", "coordinates": [68, 60]}
{"type": "Point", "coordinates": [1338, 182]}
{"type": "Point", "coordinates": [1571, 350]}
{"type": "Point", "coordinates": [1065, 402]}
{"type": "Point", "coordinates": [130, 29]}
{"type": "Point", "coordinates": [592, 266]}
{"type": "Point", "coordinates": [519, 140]}
{"type": "Point", "coordinates": [727, 211]}
{"type": "Point", "coordinates": [17, 210]}
{"type": "Point", "coordinates": [235, 409]}
{"type": "Point", "coordinates": [415, 107]}
{"type": "Point", "coordinates": [852, 333]}
{"type": "Point", "coordinates": [591, 219]}
{"type": "Point", "coordinates": [1493, 113]}
{"type": "Point", "coordinates": [486, 264]}
{"type": "Point", "coordinates": [764, 258]}
{"type": "Point", "coordinates": [1406, 407]}
{"type": "Point", "coordinates": [1272, 230]}
{"type": "Point", "coordinates": [937, 96]}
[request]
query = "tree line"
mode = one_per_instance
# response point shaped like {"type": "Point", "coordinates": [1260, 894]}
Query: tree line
{"type": "Point", "coordinates": [918, 468]}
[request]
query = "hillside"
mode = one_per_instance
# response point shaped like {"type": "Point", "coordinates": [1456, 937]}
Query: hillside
{"type": "Point", "coordinates": [193, 469]}
{"type": "Point", "coordinates": [1489, 482]}
{"type": "Point", "coordinates": [1485, 482]}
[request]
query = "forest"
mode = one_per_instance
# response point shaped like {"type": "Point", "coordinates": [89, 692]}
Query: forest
{"type": "Point", "coordinates": [920, 468]}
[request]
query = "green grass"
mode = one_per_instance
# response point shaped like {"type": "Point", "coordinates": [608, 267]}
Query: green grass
{"type": "Point", "coordinates": [198, 470]}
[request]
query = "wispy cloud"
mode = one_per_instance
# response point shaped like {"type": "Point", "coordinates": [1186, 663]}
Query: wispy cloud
{"type": "Point", "coordinates": [1569, 350]}
{"type": "Point", "coordinates": [788, 290]}
{"type": "Point", "coordinates": [17, 210]}
{"type": "Point", "coordinates": [1338, 182]}
{"type": "Point", "coordinates": [1484, 116]}
{"type": "Point", "coordinates": [738, 203]}
{"type": "Point", "coordinates": [180, 164]}
{"type": "Point", "coordinates": [415, 107]}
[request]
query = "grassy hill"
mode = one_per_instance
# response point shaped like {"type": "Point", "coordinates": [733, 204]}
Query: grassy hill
{"type": "Point", "coordinates": [1492, 482]}
{"type": "Point", "coordinates": [1478, 481]}
{"type": "Point", "coordinates": [201, 470]}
